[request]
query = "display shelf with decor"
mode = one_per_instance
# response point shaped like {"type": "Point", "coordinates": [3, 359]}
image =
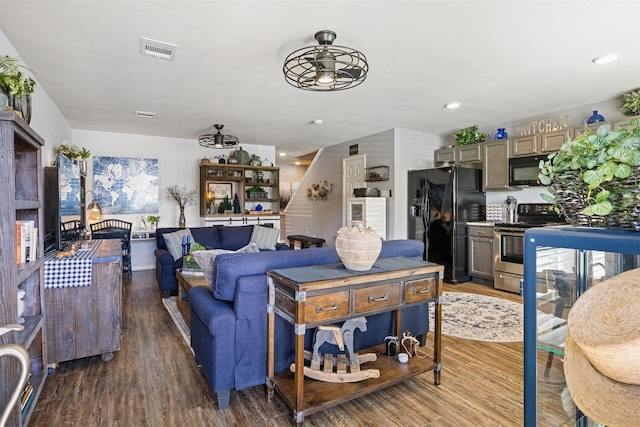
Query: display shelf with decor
{"type": "Point", "coordinates": [218, 181]}
{"type": "Point", "coordinates": [376, 173]}
{"type": "Point", "coordinates": [21, 171]}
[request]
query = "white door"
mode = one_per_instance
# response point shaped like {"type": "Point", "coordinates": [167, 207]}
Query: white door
{"type": "Point", "coordinates": [352, 177]}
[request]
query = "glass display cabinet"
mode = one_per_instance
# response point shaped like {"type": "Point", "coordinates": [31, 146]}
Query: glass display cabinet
{"type": "Point", "coordinates": [561, 263]}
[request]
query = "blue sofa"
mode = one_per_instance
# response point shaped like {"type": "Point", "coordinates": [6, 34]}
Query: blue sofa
{"type": "Point", "coordinates": [229, 320]}
{"type": "Point", "coordinates": [214, 237]}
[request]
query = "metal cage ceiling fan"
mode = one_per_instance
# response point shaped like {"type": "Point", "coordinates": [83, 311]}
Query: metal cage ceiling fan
{"type": "Point", "coordinates": [218, 140]}
{"type": "Point", "coordinates": [325, 67]}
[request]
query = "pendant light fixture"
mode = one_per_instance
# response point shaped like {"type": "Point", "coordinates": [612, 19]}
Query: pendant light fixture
{"type": "Point", "coordinates": [325, 67]}
{"type": "Point", "coordinates": [218, 140]}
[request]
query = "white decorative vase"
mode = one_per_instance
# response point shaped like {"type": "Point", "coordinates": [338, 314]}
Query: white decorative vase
{"type": "Point", "coordinates": [358, 246]}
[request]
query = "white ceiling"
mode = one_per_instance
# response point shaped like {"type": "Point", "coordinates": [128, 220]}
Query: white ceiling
{"type": "Point", "coordinates": [504, 60]}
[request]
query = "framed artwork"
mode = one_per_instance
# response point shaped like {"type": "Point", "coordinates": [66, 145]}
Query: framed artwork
{"type": "Point", "coordinates": [220, 190]}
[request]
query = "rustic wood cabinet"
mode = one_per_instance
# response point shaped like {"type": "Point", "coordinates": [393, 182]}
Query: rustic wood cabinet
{"type": "Point", "coordinates": [220, 180]}
{"type": "Point", "coordinates": [480, 243]}
{"type": "Point", "coordinates": [85, 321]}
{"type": "Point", "coordinates": [495, 165]}
{"type": "Point", "coordinates": [302, 299]}
{"type": "Point", "coordinates": [21, 200]}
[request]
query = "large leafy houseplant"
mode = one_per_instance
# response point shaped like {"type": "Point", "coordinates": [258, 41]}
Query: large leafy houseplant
{"type": "Point", "coordinates": [594, 179]}
{"type": "Point", "coordinates": [631, 103]}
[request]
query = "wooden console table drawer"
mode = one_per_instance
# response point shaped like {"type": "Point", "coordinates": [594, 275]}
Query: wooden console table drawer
{"type": "Point", "coordinates": [327, 307]}
{"type": "Point", "coordinates": [376, 298]}
{"type": "Point", "coordinates": [419, 290]}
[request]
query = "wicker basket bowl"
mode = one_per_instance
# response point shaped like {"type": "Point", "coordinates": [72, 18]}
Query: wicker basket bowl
{"type": "Point", "coordinates": [571, 196]}
{"type": "Point", "coordinates": [358, 246]}
{"type": "Point", "coordinates": [602, 399]}
{"type": "Point", "coordinates": [605, 323]}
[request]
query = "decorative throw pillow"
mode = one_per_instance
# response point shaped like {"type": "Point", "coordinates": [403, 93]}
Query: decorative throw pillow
{"type": "Point", "coordinates": [205, 259]}
{"type": "Point", "coordinates": [174, 242]}
{"type": "Point", "coordinates": [265, 237]}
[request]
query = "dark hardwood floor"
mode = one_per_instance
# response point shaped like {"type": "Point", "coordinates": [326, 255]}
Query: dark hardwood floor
{"type": "Point", "coordinates": [154, 381]}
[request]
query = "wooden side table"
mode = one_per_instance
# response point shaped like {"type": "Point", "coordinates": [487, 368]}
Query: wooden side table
{"type": "Point", "coordinates": [305, 241]}
{"type": "Point", "coordinates": [306, 302]}
{"type": "Point", "coordinates": [186, 282]}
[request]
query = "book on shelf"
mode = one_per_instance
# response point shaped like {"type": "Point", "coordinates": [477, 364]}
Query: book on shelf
{"type": "Point", "coordinates": [26, 395]}
{"type": "Point", "coordinates": [18, 241]}
{"type": "Point", "coordinates": [26, 241]}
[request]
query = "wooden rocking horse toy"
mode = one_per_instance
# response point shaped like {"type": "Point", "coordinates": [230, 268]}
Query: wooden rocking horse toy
{"type": "Point", "coordinates": [341, 337]}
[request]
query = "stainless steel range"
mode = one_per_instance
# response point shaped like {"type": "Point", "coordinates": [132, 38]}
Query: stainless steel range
{"type": "Point", "coordinates": [508, 246]}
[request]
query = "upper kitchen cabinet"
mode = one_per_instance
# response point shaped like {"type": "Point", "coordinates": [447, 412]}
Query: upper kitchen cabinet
{"type": "Point", "coordinates": [495, 165]}
{"type": "Point", "coordinates": [550, 142]}
{"type": "Point", "coordinates": [626, 124]}
{"type": "Point", "coordinates": [468, 154]}
{"type": "Point", "coordinates": [526, 145]}
{"type": "Point", "coordinates": [444, 155]}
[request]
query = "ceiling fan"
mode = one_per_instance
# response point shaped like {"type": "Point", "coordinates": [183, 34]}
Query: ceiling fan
{"type": "Point", "coordinates": [218, 140]}
{"type": "Point", "coordinates": [325, 67]}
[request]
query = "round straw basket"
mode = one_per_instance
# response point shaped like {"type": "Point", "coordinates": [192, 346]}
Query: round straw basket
{"type": "Point", "coordinates": [602, 399]}
{"type": "Point", "coordinates": [358, 246]}
{"type": "Point", "coordinates": [605, 323]}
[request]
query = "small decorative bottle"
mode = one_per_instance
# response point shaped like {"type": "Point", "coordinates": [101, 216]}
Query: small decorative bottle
{"type": "Point", "coordinates": [501, 134]}
{"type": "Point", "coordinates": [595, 118]}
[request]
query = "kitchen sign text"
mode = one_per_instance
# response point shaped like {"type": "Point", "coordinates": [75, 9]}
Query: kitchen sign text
{"type": "Point", "coordinates": [544, 125]}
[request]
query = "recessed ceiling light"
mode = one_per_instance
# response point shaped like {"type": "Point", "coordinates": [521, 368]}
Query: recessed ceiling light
{"type": "Point", "coordinates": [317, 122]}
{"type": "Point", "coordinates": [296, 163]}
{"type": "Point", "coordinates": [605, 59]}
{"type": "Point", "coordinates": [452, 105]}
{"type": "Point", "coordinates": [282, 154]}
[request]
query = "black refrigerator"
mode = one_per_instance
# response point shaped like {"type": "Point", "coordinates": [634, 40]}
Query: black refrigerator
{"type": "Point", "coordinates": [441, 202]}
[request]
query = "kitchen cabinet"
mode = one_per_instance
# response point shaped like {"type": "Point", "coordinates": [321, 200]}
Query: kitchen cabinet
{"type": "Point", "coordinates": [625, 124]}
{"type": "Point", "coordinates": [480, 244]}
{"type": "Point", "coordinates": [567, 260]}
{"type": "Point", "coordinates": [526, 145]}
{"type": "Point", "coordinates": [495, 165]}
{"type": "Point", "coordinates": [218, 181]}
{"type": "Point", "coordinates": [444, 155]}
{"type": "Point", "coordinates": [21, 200]}
{"type": "Point", "coordinates": [468, 154]}
{"type": "Point", "coordinates": [550, 142]}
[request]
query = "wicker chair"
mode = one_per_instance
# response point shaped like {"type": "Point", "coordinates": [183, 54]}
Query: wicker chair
{"type": "Point", "coordinates": [116, 229]}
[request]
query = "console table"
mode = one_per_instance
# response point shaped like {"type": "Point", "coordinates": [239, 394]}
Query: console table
{"type": "Point", "coordinates": [317, 295]}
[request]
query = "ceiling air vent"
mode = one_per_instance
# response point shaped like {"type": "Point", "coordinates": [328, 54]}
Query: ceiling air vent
{"type": "Point", "coordinates": [158, 49]}
{"type": "Point", "coordinates": [145, 114]}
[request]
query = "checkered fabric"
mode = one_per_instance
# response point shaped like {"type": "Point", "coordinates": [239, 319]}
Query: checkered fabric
{"type": "Point", "coordinates": [69, 272]}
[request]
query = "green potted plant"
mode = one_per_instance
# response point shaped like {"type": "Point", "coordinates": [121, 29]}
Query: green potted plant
{"type": "Point", "coordinates": [631, 103]}
{"type": "Point", "coordinates": [256, 193]}
{"type": "Point", "coordinates": [594, 179]}
{"type": "Point", "coordinates": [16, 87]}
{"type": "Point", "coordinates": [470, 135]}
{"type": "Point", "coordinates": [73, 152]}
{"type": "Point", "coordinates": [153, 220]}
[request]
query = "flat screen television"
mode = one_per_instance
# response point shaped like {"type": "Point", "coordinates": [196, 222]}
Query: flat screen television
{"type": "Point", "coordinates": [64, 208]}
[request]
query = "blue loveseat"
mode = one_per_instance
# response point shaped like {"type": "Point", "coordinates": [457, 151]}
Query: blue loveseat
{"type": "Point", "coordinates": [229, 320]}
{"type": "Point", "coordinates": [214, 237]}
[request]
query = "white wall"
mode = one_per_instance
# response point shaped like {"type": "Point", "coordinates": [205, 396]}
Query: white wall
{"type": "Point", "coordinates": [46, 118]}
{"type": "Point", "coordinates": [400, 149]}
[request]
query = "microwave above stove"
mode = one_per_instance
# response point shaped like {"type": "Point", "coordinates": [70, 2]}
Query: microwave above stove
{"type": "Point", "coordinates": [523, 171]}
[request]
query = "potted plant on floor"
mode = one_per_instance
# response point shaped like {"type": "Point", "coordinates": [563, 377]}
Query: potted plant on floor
{"type": "Point", "coordinates": [594, 179]}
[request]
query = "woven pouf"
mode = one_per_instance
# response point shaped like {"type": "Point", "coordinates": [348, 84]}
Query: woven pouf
{"type": "Point", "coordinates": [602, 399]}
{"type": "Point", "coordinates": [605, 323]}
{"type": "Point", "coordinates": [358, 246]}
